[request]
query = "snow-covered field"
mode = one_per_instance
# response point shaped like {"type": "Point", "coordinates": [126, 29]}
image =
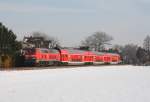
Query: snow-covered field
{"type": "Point", "coordinates": [86, 84]}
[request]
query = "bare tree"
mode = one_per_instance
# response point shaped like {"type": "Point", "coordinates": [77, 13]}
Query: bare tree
{"type": "Point", "coordinates": [39, 39]}
{"type": "Point", "coordinates": [129, 54]}
{"type": "Point", "coordinates": [143, 56]}
{"type": "Point", "coordinates": [146, 44]}
{"type": "Point", "coordinates": [97, 41]}
{"type": "Point", "coordinates": [49, 41]}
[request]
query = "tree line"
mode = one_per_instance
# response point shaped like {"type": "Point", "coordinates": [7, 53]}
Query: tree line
{"type": "Point", "coordinates": [98, 41]}
{"type": "Point", "coordinates": [130, 53]}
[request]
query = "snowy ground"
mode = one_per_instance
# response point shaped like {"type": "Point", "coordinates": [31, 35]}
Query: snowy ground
{"type": "Point", "coordinates": [86, 84]}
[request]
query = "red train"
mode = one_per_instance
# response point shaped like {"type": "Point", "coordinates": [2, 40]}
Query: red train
{"type": "Point", "coordinates": [47, 57]}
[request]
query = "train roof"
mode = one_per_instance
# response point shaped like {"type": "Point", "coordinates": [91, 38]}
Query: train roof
{"type": "Point", "coordinates": [111, 53]}
{"type": "Point", "coordinates": [75, 51]}
{"type": "Point", "coordinates": [98, 53]}
{"type": "Point", "coordinates": [103, 53]}
{"type": "Point", "coordinates": [45, 50]}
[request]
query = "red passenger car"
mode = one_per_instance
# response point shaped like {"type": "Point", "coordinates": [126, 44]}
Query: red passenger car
{"type": "Point", "coordinates": [89, 57]}
{"type": "Point", "coordinates": [107, 58]}
{"type": "Point", "coordinates": [75, 56]}
{"type": "Point", "coordinates": [115, 59]}
{"type": "Point", "coordinates": [71, 56]}
{"type": "Point", "coordinates": [99, 58]}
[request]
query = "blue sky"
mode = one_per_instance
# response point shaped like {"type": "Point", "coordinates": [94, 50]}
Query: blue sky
{"type": "Point", "coordinates": [72, 20]}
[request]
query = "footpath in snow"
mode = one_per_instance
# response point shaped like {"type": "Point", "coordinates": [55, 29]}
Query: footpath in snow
{"type": "Point", "coordinates": [86, 84]}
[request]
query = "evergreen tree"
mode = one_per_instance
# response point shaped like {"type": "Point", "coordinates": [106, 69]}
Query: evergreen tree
{"type": "Point", "coordinates": [129, 54]}
{"type": "Point", "coordinates": [8, 43]}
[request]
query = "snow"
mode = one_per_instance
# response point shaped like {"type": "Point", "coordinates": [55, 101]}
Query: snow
{"type": "Point", "coordinates": [86, 84]}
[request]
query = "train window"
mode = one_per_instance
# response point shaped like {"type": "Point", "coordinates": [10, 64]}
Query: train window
{"type": "Point", "coordinates": [114, 59]}
{"type": "Point", "coordinates": [44, 50]}
{"type": "Point", "coordinates": [76, 58]}
{"type": "Point", "coordinates": [42, 56]}
{"type": "Point", "coordinates": [65, 56]}
{"type": "Point", "coordinates": [53, 51]}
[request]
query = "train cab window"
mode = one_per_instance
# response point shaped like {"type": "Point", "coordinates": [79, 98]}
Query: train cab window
{"type": "Point", "coordinates": [29, 51]}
